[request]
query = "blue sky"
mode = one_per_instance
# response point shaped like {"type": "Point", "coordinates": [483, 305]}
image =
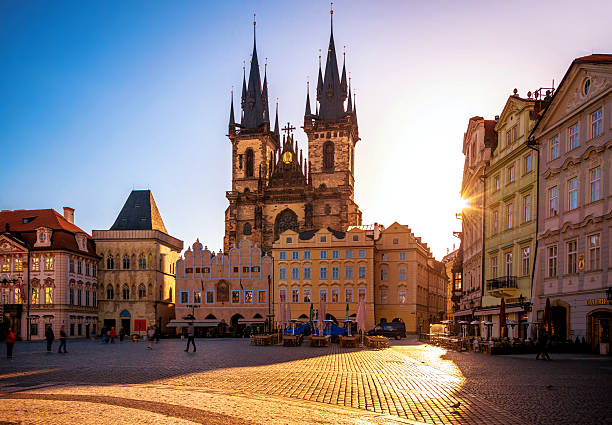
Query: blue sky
{"type": "Point", "coordinates": [99, 98]}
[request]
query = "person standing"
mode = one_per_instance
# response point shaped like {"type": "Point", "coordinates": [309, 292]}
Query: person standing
{"type": "Point", "coordinates": [191, 337]}
{"type": "Point", "coordinates": [50, 336]}
{"type": "Point", "coordinates": [10, 342]}
{"type": "Point", "coordinates": [113, 335]}
{"type": "Point", "coordinates": [62, 340]}
{"type": "Point", "coordinates": [121, 334]}
{"type": "Point", "coordinates": [157, 334]}
{"type": "Point", "coordinates": [150, 337]}
{"type": "Point", "coordinates": [104, 333]}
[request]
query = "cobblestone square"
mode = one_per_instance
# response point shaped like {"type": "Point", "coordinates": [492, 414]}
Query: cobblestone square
{"type": "Point", "coordinates": [230, 381]}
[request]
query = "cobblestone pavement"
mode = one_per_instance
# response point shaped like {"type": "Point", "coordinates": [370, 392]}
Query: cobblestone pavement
{"type": "Point", "coordinates": [228, 381]}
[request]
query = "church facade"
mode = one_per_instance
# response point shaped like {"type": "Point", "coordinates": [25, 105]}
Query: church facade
{"type": "Point", "coordinates": [275, 187]}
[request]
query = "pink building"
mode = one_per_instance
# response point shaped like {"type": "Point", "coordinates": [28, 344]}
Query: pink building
{"type": "Point", "coordinates": [47, 274]}
{"type": "Point", "coordinates": [223, 292]}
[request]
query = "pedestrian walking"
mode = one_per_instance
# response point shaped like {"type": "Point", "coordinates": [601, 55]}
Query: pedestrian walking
{"type": "Point", "coordinates": [10, 342]}
{"type": "Point", "coordinates": [50, 336]}
{"type": "Point", "coordinates": [62, 340]}
{"type": "Point", "coordinates": [542, 346]}
{"type": "Point", "coordinates": [121, 334]}
{"type": "Point", "coordinates": [157, 334]}
{"type": "Point", "coordinates": [191, 337]}
{"type": "Point", "coordinates": [150, 337]}
{"type": "Point", "coordinates": [104, 333]}
{"type": "Point", "coordinates": [113, 335]}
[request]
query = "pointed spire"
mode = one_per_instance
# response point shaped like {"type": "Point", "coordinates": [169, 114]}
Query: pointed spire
{"type": "Point", "coordinates": [332, 102]}
{"type": "Point", "coordinates": [264, 93]}
{"type": "Point", "coordinates": [244, 88]}
{"type": "Point", "coordinates": [343, 79]}
{"type": "Point", "coordinates": [276, 131]}
{"type": "Point", "coordinates": [308, 112]}
{"type": "Point", "coordinates": [232, 122]}
{"type": "Point", "coordinates": [349, 105]}
{"type": "Point", "coordinates": [355, 107]}
{"type": "Point", "coordinates": [254, 107]}
{"type": "Point", "coordinates": [320, 80]}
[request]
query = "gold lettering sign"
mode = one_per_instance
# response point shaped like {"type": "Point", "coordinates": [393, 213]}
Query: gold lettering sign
{"type": "Point", "coordinates": [598, 301]}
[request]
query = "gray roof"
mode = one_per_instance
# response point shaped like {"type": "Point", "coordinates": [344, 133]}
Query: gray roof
{"type": "Point", "coordinates": [139, 213]}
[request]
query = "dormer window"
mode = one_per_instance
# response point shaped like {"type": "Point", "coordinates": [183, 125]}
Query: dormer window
{"type": "Point", "coordinates": [41, 237]}
{"type": "Point", "coordinates": [81, 240]}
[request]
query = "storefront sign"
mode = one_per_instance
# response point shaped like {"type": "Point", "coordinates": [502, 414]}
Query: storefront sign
{"type": "Point", "coordinates": [581, 262]}
{"type": "Point", "coordinates": [598, 301]}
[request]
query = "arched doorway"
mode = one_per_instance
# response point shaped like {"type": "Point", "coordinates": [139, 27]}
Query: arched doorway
{"type": "Point", "coordinates": [236, 326]}
{"type": "Point", "coordinates": [125, 321]}
{"type": "Point", "coordinates": [598, 330]}
{"type": "Point", "coordinates": [559, 320]}
{"type": "Point", "coordinates": [285, 220]}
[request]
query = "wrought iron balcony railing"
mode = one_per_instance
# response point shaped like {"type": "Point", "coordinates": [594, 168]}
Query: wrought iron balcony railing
{"type": "Point", "coordinates": [503, 282]}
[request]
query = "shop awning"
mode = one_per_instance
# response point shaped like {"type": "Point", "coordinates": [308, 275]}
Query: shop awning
{"type": "Point", "coordinates": [463, 313]}
{"type": "Point", "coordinates": [251, 321]}
{"type": "Point", "coordinates": [196, 323]}
{"type": "Point", "coordinates": [496, 311]}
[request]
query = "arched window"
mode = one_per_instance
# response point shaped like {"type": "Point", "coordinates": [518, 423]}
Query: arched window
{"type": "Point", "coordinates": [142, 262]}
{"type": "Point", "coordinates": [110, 294]}
{"type": "Point", "coordinates": [286, 219]}
{"type": "Point", "coordinates": [142, 292]}
{"type": "Point", "coordinates": [247, 229]}
{"type": "Point", "coordinates": [250, 159]}
{"type": "Point", "coordinates": [125, 292]}
{"type": "Point", "coordinates": [126, 262]}
{"type": "Point", "coordinates": [328, 156]}
{"type": "Point", "coordinates": [170, 294]}
{"type": "Point", "coordinates": [110, 263]}
{"type": "Point", "coordinates": [150, 290]}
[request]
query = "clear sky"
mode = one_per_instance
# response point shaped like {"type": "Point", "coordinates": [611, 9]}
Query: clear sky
{"type": "Point", "coordinates": [99, 98]}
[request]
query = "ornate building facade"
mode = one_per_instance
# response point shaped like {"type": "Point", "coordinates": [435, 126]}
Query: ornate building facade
{"type": "Point", "coordinates": [574, 260]}
{"type": "Point", "coordinates": [48, 269]}
{"type": "Point", "coordinates": [137, 268]}
{"type": "Point", "coordinates": [274, 186]}
{"type": "Point", "coordinates": [478, 142]}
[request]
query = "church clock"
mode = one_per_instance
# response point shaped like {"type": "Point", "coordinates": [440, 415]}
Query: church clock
{"type": "Point", "coordinates": [287, 157]}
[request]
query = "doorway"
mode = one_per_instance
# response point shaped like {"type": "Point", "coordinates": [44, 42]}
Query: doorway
{"type": "Point", "coordinates": [559, 320]}
{"type": "Point", "coordinates": [125, 324]}
{"type": "Point", "coordinates": [598, 331]}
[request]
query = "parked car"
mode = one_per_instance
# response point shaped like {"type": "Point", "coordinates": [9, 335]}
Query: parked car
{"type": "Point", "coordinates": [389, 329]}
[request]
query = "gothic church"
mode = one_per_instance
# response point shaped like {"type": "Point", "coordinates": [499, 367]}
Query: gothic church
{"type": "Point", "coordinates": [274, 188]}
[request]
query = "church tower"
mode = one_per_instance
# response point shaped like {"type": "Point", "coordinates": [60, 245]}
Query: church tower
{"type": "Point", "coordinates": [332, 135]}
{"type": "Point", "coordinates": [254, 149]}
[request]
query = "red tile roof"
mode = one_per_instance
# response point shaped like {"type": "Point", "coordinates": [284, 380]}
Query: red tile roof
{"type": "Point", "coordinates": [594, 58]}
{"type": "Point", "coordinates": [23, 225]}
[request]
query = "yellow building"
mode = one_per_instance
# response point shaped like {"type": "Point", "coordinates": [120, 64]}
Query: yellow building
{"type": "Point", "coordinates": [390, 268]}
{"type": "Point", "coordinates": [137, 269]}
{"type": "Point", "coordinates": [449, 263]}
{"type": "Point", "coordinates": [510, 226]}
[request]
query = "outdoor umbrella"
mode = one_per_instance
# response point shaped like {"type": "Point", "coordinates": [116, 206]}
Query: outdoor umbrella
{"type": "Point", "coordinates": [502, 319]}
{"type": "Point", "coordinates": [287, 313]}
{"type": "Point", "coordinates": [548, 316]}
{"type": "Point", "coordinates": [311, 313]}
{"type": "Point", "coordinates": [321, 317]}
{"type": "Point", "coordinates": [281, 313]}
{"type": "Point", "coordinates": [347, 308]}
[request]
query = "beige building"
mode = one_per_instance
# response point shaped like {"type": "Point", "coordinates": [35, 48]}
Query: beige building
{"type": "Point", "coordinates": [137, 268]}
{"type": "Point", "coordinates": [449, 263]}
{"type": "Point", "coordinates": [390, 268]}
{"type": "Point", "coordinates": [47, 274]}
{"type": "Point", "coordinates": [510, 226]}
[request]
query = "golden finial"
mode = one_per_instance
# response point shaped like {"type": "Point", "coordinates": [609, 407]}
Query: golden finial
{"type": "Point", "coordinates": [331, 12]}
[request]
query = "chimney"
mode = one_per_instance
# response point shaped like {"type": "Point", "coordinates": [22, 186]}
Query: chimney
{"type": "Point", "coordinates": [69, 214]}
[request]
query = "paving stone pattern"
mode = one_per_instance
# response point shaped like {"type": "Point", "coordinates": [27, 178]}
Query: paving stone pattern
{"type": "Point", "coordinates": [408, 382]}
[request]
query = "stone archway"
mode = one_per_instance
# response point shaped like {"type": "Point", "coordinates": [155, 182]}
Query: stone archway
{"type": "Point", "coordinates": [561, 319]}
{"type": "Point", "coordinates": [285, 220]}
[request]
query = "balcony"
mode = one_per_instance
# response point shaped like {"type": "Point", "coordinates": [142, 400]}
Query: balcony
{"type": "Point", "coordinates": [502, 287]}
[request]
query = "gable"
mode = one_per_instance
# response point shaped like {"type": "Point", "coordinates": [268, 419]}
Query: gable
{"type": "Point", "coordinates": [571, 97]}
{"type": "Point", "coordinates": [10, 245]}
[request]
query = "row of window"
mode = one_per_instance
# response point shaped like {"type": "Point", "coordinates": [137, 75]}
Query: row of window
{"type": "Point", "coordinates": [509, 219]}
{"type": "Point", "coordinates": [573, 135]}
{"type": "Point", "coordinates": [48, 265]}
{"type": "Point", "coordinates": [323, 255]}
{"type": "Point", "coordinates": [402, 297]}
{"type": "Point", "coordinates": [78, 300]}
{"type": "Point", "coordinates": [142, 292]}
{"type": "Point", "coordinates": [511, 172]}
{"type": "Point", "coordinates": [572, 192]}
{"type": "Point", "coordinates": [235, 269]}
{"type": "Point", "coordinates": [89, 269]}
{"type": "Point", "coordinates": [508, 258]}
{"type": "Point", "coordinates": [335, 295]}
{"type": "Point", "coordinates": [126, 263]}
{"type": "Point", "coordinates": [593, 262]}
{"type": "Point", "coordinates": [246, 296]}
{"type": "Point", "coordinates": [323, 273]}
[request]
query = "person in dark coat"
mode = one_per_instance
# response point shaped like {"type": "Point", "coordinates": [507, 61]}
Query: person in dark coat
{"type": "Point", "coordinates": [62, 340]}
{"type": "Point", "coordinates": [121, 334]}
{"type": "Point", "coordinates": [191, 337]}
{"type": "Point", "coordinates": [157, 334]}
{"type": "Point", "coordinates": [50, 336]}
{"type": "Point", "coordinates": [10, 342]}
{"type": "Point", "coordinates": [104, 333]}
{"type": "Point", "coordinates": [542, 346]}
